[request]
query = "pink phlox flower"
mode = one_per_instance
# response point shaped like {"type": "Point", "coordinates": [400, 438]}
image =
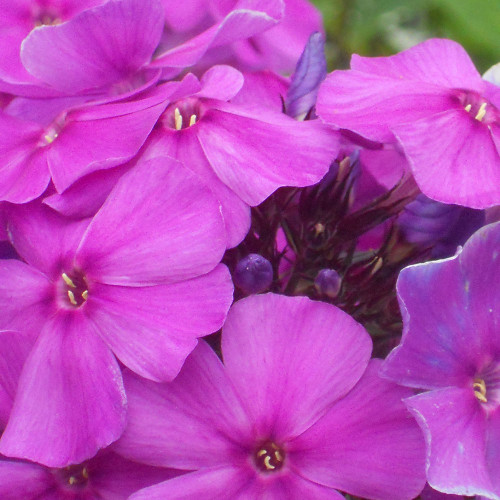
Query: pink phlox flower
{"type": "Point", "coordinates": [451, 350]}
{"type": "Point", "coordinates": [107, 476]}
{"type": "Point", "coordinates": [140, 281]}
{"type": "Point", "coordinates": [432, 100]}
{"type": "Point", "coordinates": [296, 411]}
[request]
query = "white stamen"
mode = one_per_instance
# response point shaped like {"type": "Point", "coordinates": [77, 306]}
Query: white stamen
{"type": "Point", "coordinates": [71, 297]}
{"type": "Point", "coordinates": [178, 119]}
{"type": "Point", "coordinates": [72, 480]}
{"type": "Point", "coordinates": [68, 280]}
{"type": "Point", "coordinates": [267, 463]}
{"type": "Point", "coordinates": [192, 120]}
{"type": "Point", "coordinates": [85, 295]}
{"type": "Point", "coordinates": [481, 113]}
{"type": "Point", "coordinates": [468, 107]}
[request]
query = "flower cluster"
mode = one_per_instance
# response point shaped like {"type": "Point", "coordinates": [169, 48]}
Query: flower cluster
{"type": "Point", "coordinates": [163, 181]}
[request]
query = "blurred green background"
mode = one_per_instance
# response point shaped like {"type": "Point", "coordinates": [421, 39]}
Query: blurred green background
{"type": "Point", "coordinates": [383, 27]}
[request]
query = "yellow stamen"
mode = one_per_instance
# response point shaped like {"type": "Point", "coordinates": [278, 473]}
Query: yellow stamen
{"type": "Point", "coordinates": [261, 452]}
{"type": "Point", "coordinates": [72, 480]}
{"type": "Point", "coordinates": [178, 119]}
{"type": "Point", "coordinates": [85, 473]}
{"type": "Point", "coordinates": [50, 138]}
{"type": "Point", "coordinates": [480, 390]}
{"type": "Point", "coordinates": [468, 107]}
{"type": "Point", "coordinates": [481, 113]}
{"type": "Point", "coordinates": [68, 280]}
{"type": "Point", "coordinates": [267, 463]}
{"type": "Point", "coordinates": [85, 295]}
{"type": "Point", "coordinates": [192, 120]}
{"type": "Point", "coordinates": [278, 456]}
{"type": "Point", "coordinates": [71, 297]}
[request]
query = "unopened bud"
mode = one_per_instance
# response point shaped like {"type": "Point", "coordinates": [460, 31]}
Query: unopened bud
{"type": "Point", "coordinates": [328, 282]}
{"type": "Point", "coordinates": [253, 273]}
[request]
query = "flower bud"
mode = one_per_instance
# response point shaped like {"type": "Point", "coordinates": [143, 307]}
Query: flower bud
{"type": "Point", "coordinates": [253, 273]}
{"type": "Point", "coordinates": [328, 282]}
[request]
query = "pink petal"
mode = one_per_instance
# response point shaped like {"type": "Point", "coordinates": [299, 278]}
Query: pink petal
{"type": "Point", "coordinates": [221, 82]}
{"type": "Point", "coordinates": [366, 444]}
{"type": "Point", "coordinates": [26, 481]}
{"type": "Point", "coordinates": [453, 158]}
{"type": "Point", "coordinates": [371, 104]}
{"type": "Point", "coordinates": [248, 18]}
{"type": "Point", "coordinates": [116, 478]}
{"type": "Point", "coordinates": [153, 329]}
{"type": "Point", "coordinates": [290, 358]}
{"type": "Point", "coordinates": [24, 171]}
{"type": "Point", "coordinates": [100, 46]}
{"type": "Point", "coordinates": [184, 146]}
{"type": "Point", "coordinates": [158, 225]}
{"type": "Point", "coordinates": [199, 409]}
{"type": "Point", "coordinates": [223, 483]}
{"type": "Point", "coordinates": [43, 238]}
{"type": "Point", "coordinates": [86, 196]}
{"type": "Point", "coordinates": [101, 137]}
{"type": "Point", "coordinates": [70, 401]}
{"type": "Point", "coordinates": [23, 289]}
{"type": "Point", "coordinates": [455, 428]}
{"type": "Point", "coordinates": [433, 353]}
{"type": "Point", "coordinates": [255, 154]}
{"type": "Point", "coordinates": [14, 349]}
{"type": "Point", "coordinates": [436, 61]}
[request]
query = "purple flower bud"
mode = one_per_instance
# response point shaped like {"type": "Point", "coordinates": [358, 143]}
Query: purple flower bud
{"type": "Point", "coordinates": [309, 73]}
{"type": "Point", "coordinates": [328, 282]}
{"type": "Point", "coordinates": [253, 273]}
{"type": "Point", "coordinates": [444, 227]}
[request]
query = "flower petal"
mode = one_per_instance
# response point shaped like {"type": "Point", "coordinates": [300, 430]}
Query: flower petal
{"type": "Point", "coordinates": [25, 480]}
{"type": "Point", "coordinates": [455, 426]}
{"type": "Point", "coordinates": [43, 238]}
{"type": "Point", "coordinates": [199, 409]}
{"type": "Point", "coordinates": [248, 18]}
{"type": "Point", "coordinates": [14, 350]}
{"type": "Point", "coordinates": [371, 104]}
{"type": "Point", "coordinates": [153, 329]}
{"type": "Point", "coordinates": [437, 61]}
{"type": "Point", "coordinates": [160, 224]}
{"type": "Point", "coordinates": [290, 358]}
{"type": "Point", "coordinates": [23, 289]}
{"type": "Point", "coordinates": [256, 153]}
{"type": "Point", "coordinates": [223, 483]}
{"type": "Point", "coordinates": [70, 400]}
{"type": "Point", "coordinates": [369, 430]}
{"type": "Point", "coordinates": [453, 158]}
{"type": "Point", "coordinates": [98, 47]}
{"type": "Point", "coordinates": [184, 146]}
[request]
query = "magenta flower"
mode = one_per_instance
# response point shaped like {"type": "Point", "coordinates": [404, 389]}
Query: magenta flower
{"type": "Point", "coordinates": [107, 476]}
{"type": "Point", "coordinates": [18, 19]}
{"type": "Point", "coordinates": [113, 46]}
{"type": "Point", "coordinates": [141, 282]}
{"type": "Point", "coordinates": [296, 411]}
{"type": "Point", "coordinates": [434, 102]}
{"type": "Point", "coordinates": [243, 153]}
{"type": "Point", "coordinates": [74, 143]}
{"type": "Point", "coordinates": [451, 349]}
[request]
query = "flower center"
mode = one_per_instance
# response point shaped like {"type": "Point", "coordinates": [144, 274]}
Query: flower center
{"type": "Point", "coordinates": [478, 107]}
{"type": "Point", "coordinates": [52, 131]}
{"type": "Point", "coordinates": [181, 115]}
{"type": "Point", "coordinates": [74, 289]}
{"type": "Point", "coordinates": [73, 476]}
{"type": "Point", "coordinates": [269, 457]}
{"type": "Point", "coordinates": [486, 385]}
